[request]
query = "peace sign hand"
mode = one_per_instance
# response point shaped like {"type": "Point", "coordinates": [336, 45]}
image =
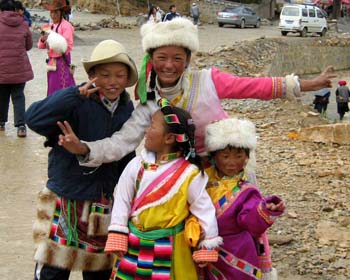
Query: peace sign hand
{"type": "Point", "coordinates": [70, 141]}
{"type": "Point", "coordinates": [85, 90]}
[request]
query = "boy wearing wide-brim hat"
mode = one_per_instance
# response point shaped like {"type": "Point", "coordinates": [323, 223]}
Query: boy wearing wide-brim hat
{"type": "Point", "coordinates": [74, 206]}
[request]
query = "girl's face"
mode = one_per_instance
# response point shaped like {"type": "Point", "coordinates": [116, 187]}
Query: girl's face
{"type": "Point", "coordinates": [169, 63]}
{"type": "Point", "coordinates": [55, 16]}
{"type": "Point", "coordinates": [156, 133]}
{"type": "Point", "coordinates": [112, 79]}
{"type": "Point", "coordinates": [230, 161]}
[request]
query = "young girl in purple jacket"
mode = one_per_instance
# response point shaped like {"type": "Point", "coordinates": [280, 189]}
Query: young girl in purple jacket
{"type": "Point", "coordinates": [243, 214]}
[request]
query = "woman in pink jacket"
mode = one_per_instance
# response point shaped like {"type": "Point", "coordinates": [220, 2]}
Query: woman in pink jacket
{"type": "Point", "coordinates": [59, 74]}
{"type": "Point", "coordinates": [15, 68]}
{"type": "Point", "coordinates": [168, 46]}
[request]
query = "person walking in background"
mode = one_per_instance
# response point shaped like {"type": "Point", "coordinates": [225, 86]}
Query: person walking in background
{"type": "Point", "coordinates": [195, 12]}
{"type": "Point", "coordinates": [153, 15]}
{"type": "Point", "coordinates": [59, 69]}
{"type": "Point", "coordinates": [15, 67]}
{"type": "Point", "coordinates": [321, 100]}
{"type": "Point", "coordinates": [24, 12]}
{"type": "Point", "coordinates": [342, 94]}
{"type": "Point", "coordinates": [172, 13]}
{"type": "Point", "coordinates": [74, 207]}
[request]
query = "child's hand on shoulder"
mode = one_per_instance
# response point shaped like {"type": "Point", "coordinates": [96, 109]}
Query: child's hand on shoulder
{"type": "Point", "coordinates": [279, 207]}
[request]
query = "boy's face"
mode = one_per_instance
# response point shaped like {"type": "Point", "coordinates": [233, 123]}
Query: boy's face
{"type": "Point", "coordinates": [112, 79]}
{"type": "Point", "coordinates": [169, 63]}
{"type": "Point", "coordinates": [230, 161]}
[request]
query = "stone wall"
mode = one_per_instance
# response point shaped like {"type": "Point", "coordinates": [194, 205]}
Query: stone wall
{"type": "Point", "coordinates": [310, 56]}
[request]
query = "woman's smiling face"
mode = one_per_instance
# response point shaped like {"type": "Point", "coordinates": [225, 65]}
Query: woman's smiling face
{"type": "Point", "coordinates": [169, 63]}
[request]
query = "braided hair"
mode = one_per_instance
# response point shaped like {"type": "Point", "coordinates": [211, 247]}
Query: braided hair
{"type": "Point", "coordinates": [180, 123]}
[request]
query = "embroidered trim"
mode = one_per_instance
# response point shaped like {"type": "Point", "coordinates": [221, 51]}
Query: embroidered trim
{"type": "Point", "coordinates": [101, 209]}
{"type": "Point", "coordinates": [230, 197]}
{"type": "Point", "coordinates": [240, 264]}
{"type": "Point", "coordinates": [265, 214]}
{"type": "Point", "coordinates": [63, 241]}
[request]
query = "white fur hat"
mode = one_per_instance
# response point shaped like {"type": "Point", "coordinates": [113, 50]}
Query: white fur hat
{"type": "Point", "coordinates": [233, 132]}
{"type": "Point", "coordinates": [178, 32]}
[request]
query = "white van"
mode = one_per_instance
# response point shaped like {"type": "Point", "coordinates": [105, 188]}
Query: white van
{"type": "Point", "coordinates": [302, 19]}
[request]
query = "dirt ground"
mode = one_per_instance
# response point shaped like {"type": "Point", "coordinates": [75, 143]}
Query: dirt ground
{"type": "Point", "coordinates": [23, 162]}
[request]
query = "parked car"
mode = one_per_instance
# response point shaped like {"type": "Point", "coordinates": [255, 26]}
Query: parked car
{"type": "Point", "coordinates": [302, 19]}
{"type": "Point", "coordinates": [240, 16]}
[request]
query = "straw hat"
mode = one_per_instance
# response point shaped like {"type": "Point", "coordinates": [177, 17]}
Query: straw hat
{"type": "Point", "coordinates": [109, 51]}
{"type": "Point", "coordinates": [177, 32]}
{"type": "Point", "coordinates": [53, 5]}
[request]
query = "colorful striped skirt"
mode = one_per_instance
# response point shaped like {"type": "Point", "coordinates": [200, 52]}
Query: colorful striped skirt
{"type": "Point", "coordinates": [149, 254]}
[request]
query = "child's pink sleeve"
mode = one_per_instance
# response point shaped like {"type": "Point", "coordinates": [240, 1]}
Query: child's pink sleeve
{"type": "Point", "coordinates": [231, 86]}
{"type": "Point", "coordinates": [68, 34]}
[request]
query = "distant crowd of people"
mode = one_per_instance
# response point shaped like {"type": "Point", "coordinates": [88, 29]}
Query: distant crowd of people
{"type": "Point", "coordinates": [156, 14]}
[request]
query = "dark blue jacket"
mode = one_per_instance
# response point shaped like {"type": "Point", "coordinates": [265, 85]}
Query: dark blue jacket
{"type": "Point", "coordinates": [91, 121]}
{"type": "Point", "coordinates": [170, 16]}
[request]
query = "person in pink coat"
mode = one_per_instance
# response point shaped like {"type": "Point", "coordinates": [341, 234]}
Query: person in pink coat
{"type": "Point", "coordinates": [15, 67]}
{"type": "Point", "coordinates": [57, 38]}
{"type": "Point", "coordinates": [166, 73]}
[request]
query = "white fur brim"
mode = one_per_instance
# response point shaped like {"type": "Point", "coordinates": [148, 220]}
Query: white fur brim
{"type": "Point", "coordinates": [178, 32]}
{"type": "Point", "coordinates": [233, 132]}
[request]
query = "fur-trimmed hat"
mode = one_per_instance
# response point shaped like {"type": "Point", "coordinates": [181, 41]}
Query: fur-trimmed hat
{"type": "Point", "coordinates": [109, 51]}
{"type": "Point", "coordinates": [232, 132]}
{"type": "Point", "coordinates": [177, 32]}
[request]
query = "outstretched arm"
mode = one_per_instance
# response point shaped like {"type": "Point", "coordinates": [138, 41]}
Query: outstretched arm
{"type": "Point", "coordinates": [230, 86]}
{"type": "Point", "coordinates": [324, 80]}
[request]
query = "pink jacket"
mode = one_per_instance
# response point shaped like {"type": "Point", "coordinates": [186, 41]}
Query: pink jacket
{"type": "Point", "coordinates": [202, 100]}
{"type": "Point", "coordinates": [16, 40]}
{"type": "Point", "coordinates": [67, 31]}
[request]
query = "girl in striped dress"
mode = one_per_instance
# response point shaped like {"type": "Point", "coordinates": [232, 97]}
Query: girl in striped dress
{"type": "Point", "coordinates": [155, 195]}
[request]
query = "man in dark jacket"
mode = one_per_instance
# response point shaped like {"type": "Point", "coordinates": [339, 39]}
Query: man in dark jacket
{"type": "Point", "coordinates": [15, 68]}
{"type": "Point", "coordinates": [172, 14]}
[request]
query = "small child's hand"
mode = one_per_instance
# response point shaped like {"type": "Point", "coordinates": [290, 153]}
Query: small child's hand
{"type": "Point", "coordinates": [202, 264]}
{"type": "Point", "coordinates": [276, 207]}
{"type": "Point", "coordinates": [85, 90]}
{"type": "Point", "coordinates": [70, 141]}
